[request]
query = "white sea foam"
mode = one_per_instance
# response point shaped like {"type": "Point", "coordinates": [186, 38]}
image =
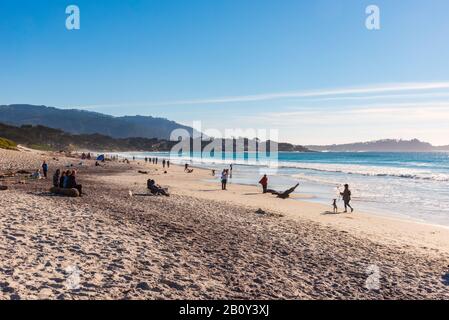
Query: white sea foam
{"type": "Point", "coordinates": [380, 171]}
{"type": "Point", "coordinates": [419, 171]}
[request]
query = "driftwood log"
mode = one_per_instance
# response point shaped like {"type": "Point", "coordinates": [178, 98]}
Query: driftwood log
{"type": "Point", "coordinates": [65, 192]}
{"type": "Point", "coordinates": [285, 194]}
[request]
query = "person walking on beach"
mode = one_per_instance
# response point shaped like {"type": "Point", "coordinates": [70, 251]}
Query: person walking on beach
{"type": "Point", "coordinates": [163, 163]}
{"type": "Point", "coordinates": [45, 169]}
{"type": "Point", "coordinates": [186, 167]}
{"type": "Point", "coordinates": [224, 179]}
{"type": "Point", "coordinates": [346, 195]}
{"type": "Point", "coordinates": [168, 164]}
{"type": "Point", "coordinates": [264, 183]}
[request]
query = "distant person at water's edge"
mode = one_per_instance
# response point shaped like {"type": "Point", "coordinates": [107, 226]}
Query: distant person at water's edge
{"type": "Point", "coordinates": [264, 183]}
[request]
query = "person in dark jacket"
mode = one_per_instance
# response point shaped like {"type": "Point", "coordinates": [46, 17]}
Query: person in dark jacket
{"type": "Point", "coordinates": [264, 183]}
{"type": "Point", "coordinates": [61, 180]}
{"type": "Point", "coordinates": [56, 178]}
{"type": "Point", "coordinates": [346, 195]}
{"type": "Point", "coordinates": [71, 182]}
{"type": "Point", "coordinates": [156, 189]}
{"type": "Point", "coordinates": [45, 169]}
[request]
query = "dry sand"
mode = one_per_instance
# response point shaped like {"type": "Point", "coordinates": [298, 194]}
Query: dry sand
{"type": "Point", "coordinates": [201, 242]}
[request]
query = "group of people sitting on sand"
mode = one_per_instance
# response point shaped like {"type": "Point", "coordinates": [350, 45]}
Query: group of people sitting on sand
{"type": "Point", "coordinates": [66, 180]}
{"type": "Point", "coordinates": [62, 180]}
{"type": "Point", "coordinates": [85, 156]}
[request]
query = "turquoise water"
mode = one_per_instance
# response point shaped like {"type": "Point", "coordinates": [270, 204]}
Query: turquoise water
{"type": "Point", "coordinates": [407, 185]}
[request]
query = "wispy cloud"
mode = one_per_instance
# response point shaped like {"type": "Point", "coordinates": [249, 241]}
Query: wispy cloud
{"type": "Point", "coordinates": [385, 88]}
{"type": "Point", "coordinates": [329, 94]}
{"type": "Point", "coordinates": [428, 112]}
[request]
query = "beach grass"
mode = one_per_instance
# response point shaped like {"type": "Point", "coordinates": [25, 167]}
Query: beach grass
{"type": "Point", "coordinates": [7, 144]}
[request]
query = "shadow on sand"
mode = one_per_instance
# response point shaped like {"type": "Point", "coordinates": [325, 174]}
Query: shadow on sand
{"type": "Point", "coordinates": [325, 213]}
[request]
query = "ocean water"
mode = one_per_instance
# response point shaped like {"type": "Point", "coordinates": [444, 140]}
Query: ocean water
{"type": "Point", "coordinates": [405, 185]}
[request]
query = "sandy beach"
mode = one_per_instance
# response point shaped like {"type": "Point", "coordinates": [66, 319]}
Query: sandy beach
{"type": "Point", "coordinates": [201, 242]}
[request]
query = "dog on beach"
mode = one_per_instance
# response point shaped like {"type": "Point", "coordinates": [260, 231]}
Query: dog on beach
{"type": "Point", "coordinates": [334, 204]}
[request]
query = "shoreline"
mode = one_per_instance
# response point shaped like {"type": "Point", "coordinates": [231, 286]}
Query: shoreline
{"type": "Point", "coordinates": [201, 242]}
{"type": "Point", "coordinates": [376, 225]}
{"type": "Point", "coordinates": [379, 189]}
{"type": "Point", "coordinates": [380, 213]}
{"type": "Point", "coordinates": [372, 222]}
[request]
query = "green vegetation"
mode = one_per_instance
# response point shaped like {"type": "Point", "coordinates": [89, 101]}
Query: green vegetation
{"type": "Point", "coordinates": [48, 139]}
{"type": "Point", "coordinates": [7, 144]}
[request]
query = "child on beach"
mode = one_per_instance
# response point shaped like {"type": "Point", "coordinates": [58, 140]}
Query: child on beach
{"type": "Point", "coordinates": [334, 205]}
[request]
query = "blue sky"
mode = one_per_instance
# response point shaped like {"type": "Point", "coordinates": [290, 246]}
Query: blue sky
{"type": "Point", "coordinates": [307, 68]}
